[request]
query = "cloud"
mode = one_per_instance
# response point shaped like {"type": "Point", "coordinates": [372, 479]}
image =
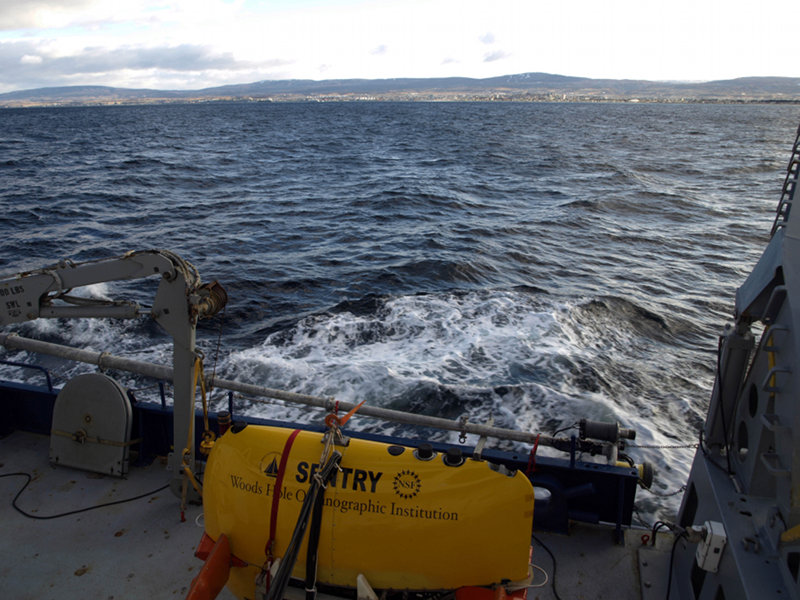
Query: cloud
{"type": "Point", "coordinates": [172, 44]}
{"type": "Point", "coordinates": [46, 13]}
{"type": "Point", "coordinates": [496, 55]}
{"type": "Point", "coordinates": [30, 59]}
{"type": "Point", "coordinates": [185, 57]}
{"type": "Point", "coordinates": [30, 65]}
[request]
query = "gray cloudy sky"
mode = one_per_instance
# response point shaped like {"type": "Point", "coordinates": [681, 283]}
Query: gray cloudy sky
{"type": "Point", "coordinates": [190, 44]}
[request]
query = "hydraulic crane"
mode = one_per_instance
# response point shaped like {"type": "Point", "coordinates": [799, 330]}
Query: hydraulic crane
{"type": "Point", "coordinates": [181, 300]}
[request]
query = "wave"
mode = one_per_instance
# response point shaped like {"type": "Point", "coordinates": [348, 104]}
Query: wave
{"type": "Point", "coordinates": [534, 264]}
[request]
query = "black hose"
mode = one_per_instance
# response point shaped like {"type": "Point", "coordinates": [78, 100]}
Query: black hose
{"type": "Point", "coordinates": [671, 561]}
{"type": "Point", "coordinates": [281, 580]}
{"type": "Point", "coordinates": [553, 558]}
{"type": "Point", "coordinates": [313, 547]}
{"type": "Point", "coordinates": [71, 512]}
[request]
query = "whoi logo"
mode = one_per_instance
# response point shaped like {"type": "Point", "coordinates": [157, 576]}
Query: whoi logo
{"type": "Point", "coordinates": [269, 464]}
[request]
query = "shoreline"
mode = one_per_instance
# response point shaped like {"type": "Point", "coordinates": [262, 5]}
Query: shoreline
{"type": "Point", "coordinates": [405, 98]}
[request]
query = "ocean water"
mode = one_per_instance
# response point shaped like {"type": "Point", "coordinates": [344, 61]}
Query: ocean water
{"type": "Point", "coordinates": [533, 264]}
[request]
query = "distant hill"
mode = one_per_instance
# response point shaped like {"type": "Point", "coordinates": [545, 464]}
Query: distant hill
{"type": "Point", "coordinates": [521, 87]}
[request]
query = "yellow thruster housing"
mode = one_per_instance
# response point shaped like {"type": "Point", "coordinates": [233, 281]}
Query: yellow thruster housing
{"type": "Point", "coordinates": [403, 522]}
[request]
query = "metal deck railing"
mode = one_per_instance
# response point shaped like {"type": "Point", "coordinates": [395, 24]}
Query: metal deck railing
{"type": "Point", "coordinates": [789, 187]}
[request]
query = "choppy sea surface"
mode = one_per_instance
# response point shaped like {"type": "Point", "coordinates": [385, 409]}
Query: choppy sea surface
{"type": "Point", "coordinates": [531, 263]}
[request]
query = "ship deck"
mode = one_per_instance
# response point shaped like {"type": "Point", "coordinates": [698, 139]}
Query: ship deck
{"type": "Point", "coordinates": [141, 548]}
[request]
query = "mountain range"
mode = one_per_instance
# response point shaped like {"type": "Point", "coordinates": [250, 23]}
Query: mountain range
{"type": "Point", "coordinates": [520, 87]}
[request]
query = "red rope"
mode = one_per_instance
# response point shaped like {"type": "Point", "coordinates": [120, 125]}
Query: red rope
{"type": "Point", "coordinates": [531, 469]}
{"type": "Point", "coordinates": [276, 494]}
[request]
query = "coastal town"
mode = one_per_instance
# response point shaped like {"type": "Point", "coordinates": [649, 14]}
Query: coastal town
{"type": "Point", "coordinates": [527, 87]}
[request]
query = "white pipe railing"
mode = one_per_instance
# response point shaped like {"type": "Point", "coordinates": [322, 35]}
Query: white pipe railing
{"type": "Point", "coordinates": [104, 360]}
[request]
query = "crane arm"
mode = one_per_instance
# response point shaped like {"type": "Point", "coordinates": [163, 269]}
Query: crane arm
{"type": "Point", "coordinates": [180, 301]}
{"type": "Point", "coordinates": [45, 292]}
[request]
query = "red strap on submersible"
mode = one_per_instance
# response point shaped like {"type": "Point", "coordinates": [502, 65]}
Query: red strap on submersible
{"type": "Point", "coordinates": [276, 494]}
{"type": "Point", "coordinates": [532, 458]}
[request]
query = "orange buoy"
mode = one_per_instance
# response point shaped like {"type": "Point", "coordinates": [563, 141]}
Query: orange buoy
{"type": "Point", "coordinates": [215, 571]}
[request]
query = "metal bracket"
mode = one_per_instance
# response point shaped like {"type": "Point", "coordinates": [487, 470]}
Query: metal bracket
{"type": "Point", "coordinates": [478, 451]}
